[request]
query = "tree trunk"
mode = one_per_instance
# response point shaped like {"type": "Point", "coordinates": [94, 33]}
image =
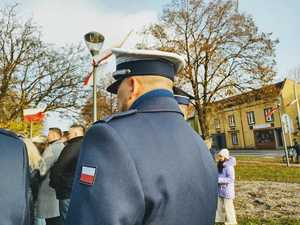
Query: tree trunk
{"type": "Point", "coordinates": [201, 111]}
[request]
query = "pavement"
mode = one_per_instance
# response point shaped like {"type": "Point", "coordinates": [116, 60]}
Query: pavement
{"type": "Point", "coordinates": [255, 152]}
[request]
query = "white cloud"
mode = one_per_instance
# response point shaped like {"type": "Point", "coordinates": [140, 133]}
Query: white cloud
{"type": "Point", "coordinates": [67, 21]}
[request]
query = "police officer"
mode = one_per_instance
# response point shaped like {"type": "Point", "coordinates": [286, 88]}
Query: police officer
{"type": "Point", "coordinates": [183, 99]}
{"type": "Point", "coordinates": [144, 165]}
{"type": "Point", "coordinates": [14, 180]}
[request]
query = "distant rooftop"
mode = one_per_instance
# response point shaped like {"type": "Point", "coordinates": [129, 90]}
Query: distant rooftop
{"type": "Point", "coordinates": [269, 91]}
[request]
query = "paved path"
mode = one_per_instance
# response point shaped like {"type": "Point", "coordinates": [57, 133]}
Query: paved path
{"type": "Point", "coordinates": [257, 152]}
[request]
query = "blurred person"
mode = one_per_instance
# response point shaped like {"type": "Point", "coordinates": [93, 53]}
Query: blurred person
{"type": "Point", "coordinates": [47, 204]}
{"type": "Point", "coordinates": [226, 193]}
{"type": "Point", "coordinates": [40, 142]}
{"type": "Point", "coordinates": [183, 99]}
{"type": "Point", "coordinates": [211, 147]}
{"type": "Point", "coordinates": [297, 148]}
{"type": "Point", "coordinates": [34, 157]}
{"type": "Point", "coordinates": [14, 185]}
{"type": "Point", "coordinates": [65, 137]}
{"type": "Point", "coordinates": [62, 173]}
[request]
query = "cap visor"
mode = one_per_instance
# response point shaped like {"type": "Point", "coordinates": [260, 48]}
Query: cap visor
{"type": "Point", "coordinates": [113, 88]}
{"type": "Point", "coordinates": [179, 91]}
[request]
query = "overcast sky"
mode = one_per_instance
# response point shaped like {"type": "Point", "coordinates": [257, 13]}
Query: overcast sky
{"type": "Point", "coordinates": [65, 21]}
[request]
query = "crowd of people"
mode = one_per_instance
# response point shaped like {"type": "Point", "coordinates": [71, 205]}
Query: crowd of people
{"type": "Point", "coordinates": [52, 161]}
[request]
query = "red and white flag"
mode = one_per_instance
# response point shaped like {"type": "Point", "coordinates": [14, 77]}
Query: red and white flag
{"type": "Point", "coordinates": [33, 115]}
{"type": "Point", "coordinates": [87, 175]}
{"type": "Point", "coordinates": [87, 81]}
{"type": "Point", "coordinates": [273, 110]}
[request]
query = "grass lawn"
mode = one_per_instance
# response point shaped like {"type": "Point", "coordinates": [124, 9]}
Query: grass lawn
{"type": "Point", "coordinates": [254, 168]}
{"type": "Point", "coordinates": [265, 169]}
{"type": "Point", "coordinates": [256, 221]}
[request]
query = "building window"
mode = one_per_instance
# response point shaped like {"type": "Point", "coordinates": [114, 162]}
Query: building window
{"type": "Point", "coordinates": [234, 138]}
{"type": "Point", "coordinates": [231, 121]}
{"type": "Point", "coordinates": [217, 124]}
{"type": "Point", "coordinates": [268, 115]}
{"type": "Point", "coordinates": [251, 118]}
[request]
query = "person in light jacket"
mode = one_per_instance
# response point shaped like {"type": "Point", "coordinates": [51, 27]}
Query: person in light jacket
{"type": "Point", "coordinates": [47, 204]}
{"type": "Point", "coordinates": [34, 159]}
{"type": "Point", "coordinates": [226, 194]}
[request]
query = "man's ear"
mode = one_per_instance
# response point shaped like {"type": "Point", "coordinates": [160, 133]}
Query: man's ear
{"type": "Point", "coordinates": [134, 87]}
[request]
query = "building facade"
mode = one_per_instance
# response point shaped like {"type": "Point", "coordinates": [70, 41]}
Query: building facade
{"type": "Point", "coordinates": [252, 120]}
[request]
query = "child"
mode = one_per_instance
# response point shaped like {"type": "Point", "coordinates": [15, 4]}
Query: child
{"type": "Point", "coordinates": [225, 211]}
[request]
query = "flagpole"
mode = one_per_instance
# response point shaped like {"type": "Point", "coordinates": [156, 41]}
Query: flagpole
{"type": "Point", "coordinates": [283, 131]}
{"type": "Point", "coordinates": [94, 92]}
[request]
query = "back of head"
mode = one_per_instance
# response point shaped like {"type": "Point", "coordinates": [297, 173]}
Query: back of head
{"type": "Point", "coordinates": [40, 142]}
{"type": "Point", "coordinates": [223, 155]}
{"type": "Point", "coordinates": [33, 154]}
{"type": "Point", "coordinates": [76, 130]}
{"type": "Point", "coordinates": [134, 87]}
{"type": "Point", "coordinates": [149, 83]}
{"type": "Point", "coordinates": [56, 130]}
{"type": "Point", "coordinates": [54, 134]}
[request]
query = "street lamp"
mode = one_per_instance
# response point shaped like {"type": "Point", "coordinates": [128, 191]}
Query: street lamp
{"type": "Point", "coordinates": [283, 130]}
{"type": "Point", "coordinates": [94, 42]}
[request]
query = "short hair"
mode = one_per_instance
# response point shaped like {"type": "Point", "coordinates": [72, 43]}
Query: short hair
{"type": "Point", "coordinates": [56, 130]}
{"type": "Point", "coordinates": [79, 126]}
{"type": "Point", "coordinates": [65, 133]}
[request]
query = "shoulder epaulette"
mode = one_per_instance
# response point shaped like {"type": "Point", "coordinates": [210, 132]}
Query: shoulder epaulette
{"type": "Point", "coordinates": [117, 115]}
{"type": "Point", "coordinates": [8, 133]}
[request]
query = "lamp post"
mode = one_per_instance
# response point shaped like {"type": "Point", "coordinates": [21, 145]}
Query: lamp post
{"type": "Point", "coordinates": [279, 105]}
{"type": "Point", "coordinates": [94, 42]}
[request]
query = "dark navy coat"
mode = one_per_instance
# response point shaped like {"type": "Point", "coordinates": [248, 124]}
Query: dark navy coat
{"type": "Point", "coordinates": [145, 166]}
{"type": "Point", "coordinates": [14, 183]}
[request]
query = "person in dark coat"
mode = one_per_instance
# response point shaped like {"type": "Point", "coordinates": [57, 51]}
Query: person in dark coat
{"type": "Point", "coordinates": [63, 170]}
{"type": "Point", "coordinates": [211, 146]}
{"type": "Point", "coordinates": [14, 177]}
{"type": "Point", "coordinates": [144, 165]}
{"type": "Point", "coordinates": [297, 148]}
{"type": "Point", "coordinates": [183, 99]}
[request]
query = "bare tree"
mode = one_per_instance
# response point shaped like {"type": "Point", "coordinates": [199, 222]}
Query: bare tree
{"type": "Point", "coordinates": [224, 51]}
{"type": "Point", "coordinates": [294, 74]}
{"type": "Point", "coordinates": [33, 72]}
{"type": "Point", "coordinates": [106, 102]}
{"type": "Point", "coordinates": [105, 106]}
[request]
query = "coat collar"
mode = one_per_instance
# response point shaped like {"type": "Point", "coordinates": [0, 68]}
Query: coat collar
{"type": "Point", "coordinates": [75, 139]}
{"type": "Point", "coordinates": [156, 101]}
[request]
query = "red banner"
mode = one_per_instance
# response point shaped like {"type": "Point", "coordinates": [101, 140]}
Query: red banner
{"type": "Point", "coordinates": [39, 117]}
